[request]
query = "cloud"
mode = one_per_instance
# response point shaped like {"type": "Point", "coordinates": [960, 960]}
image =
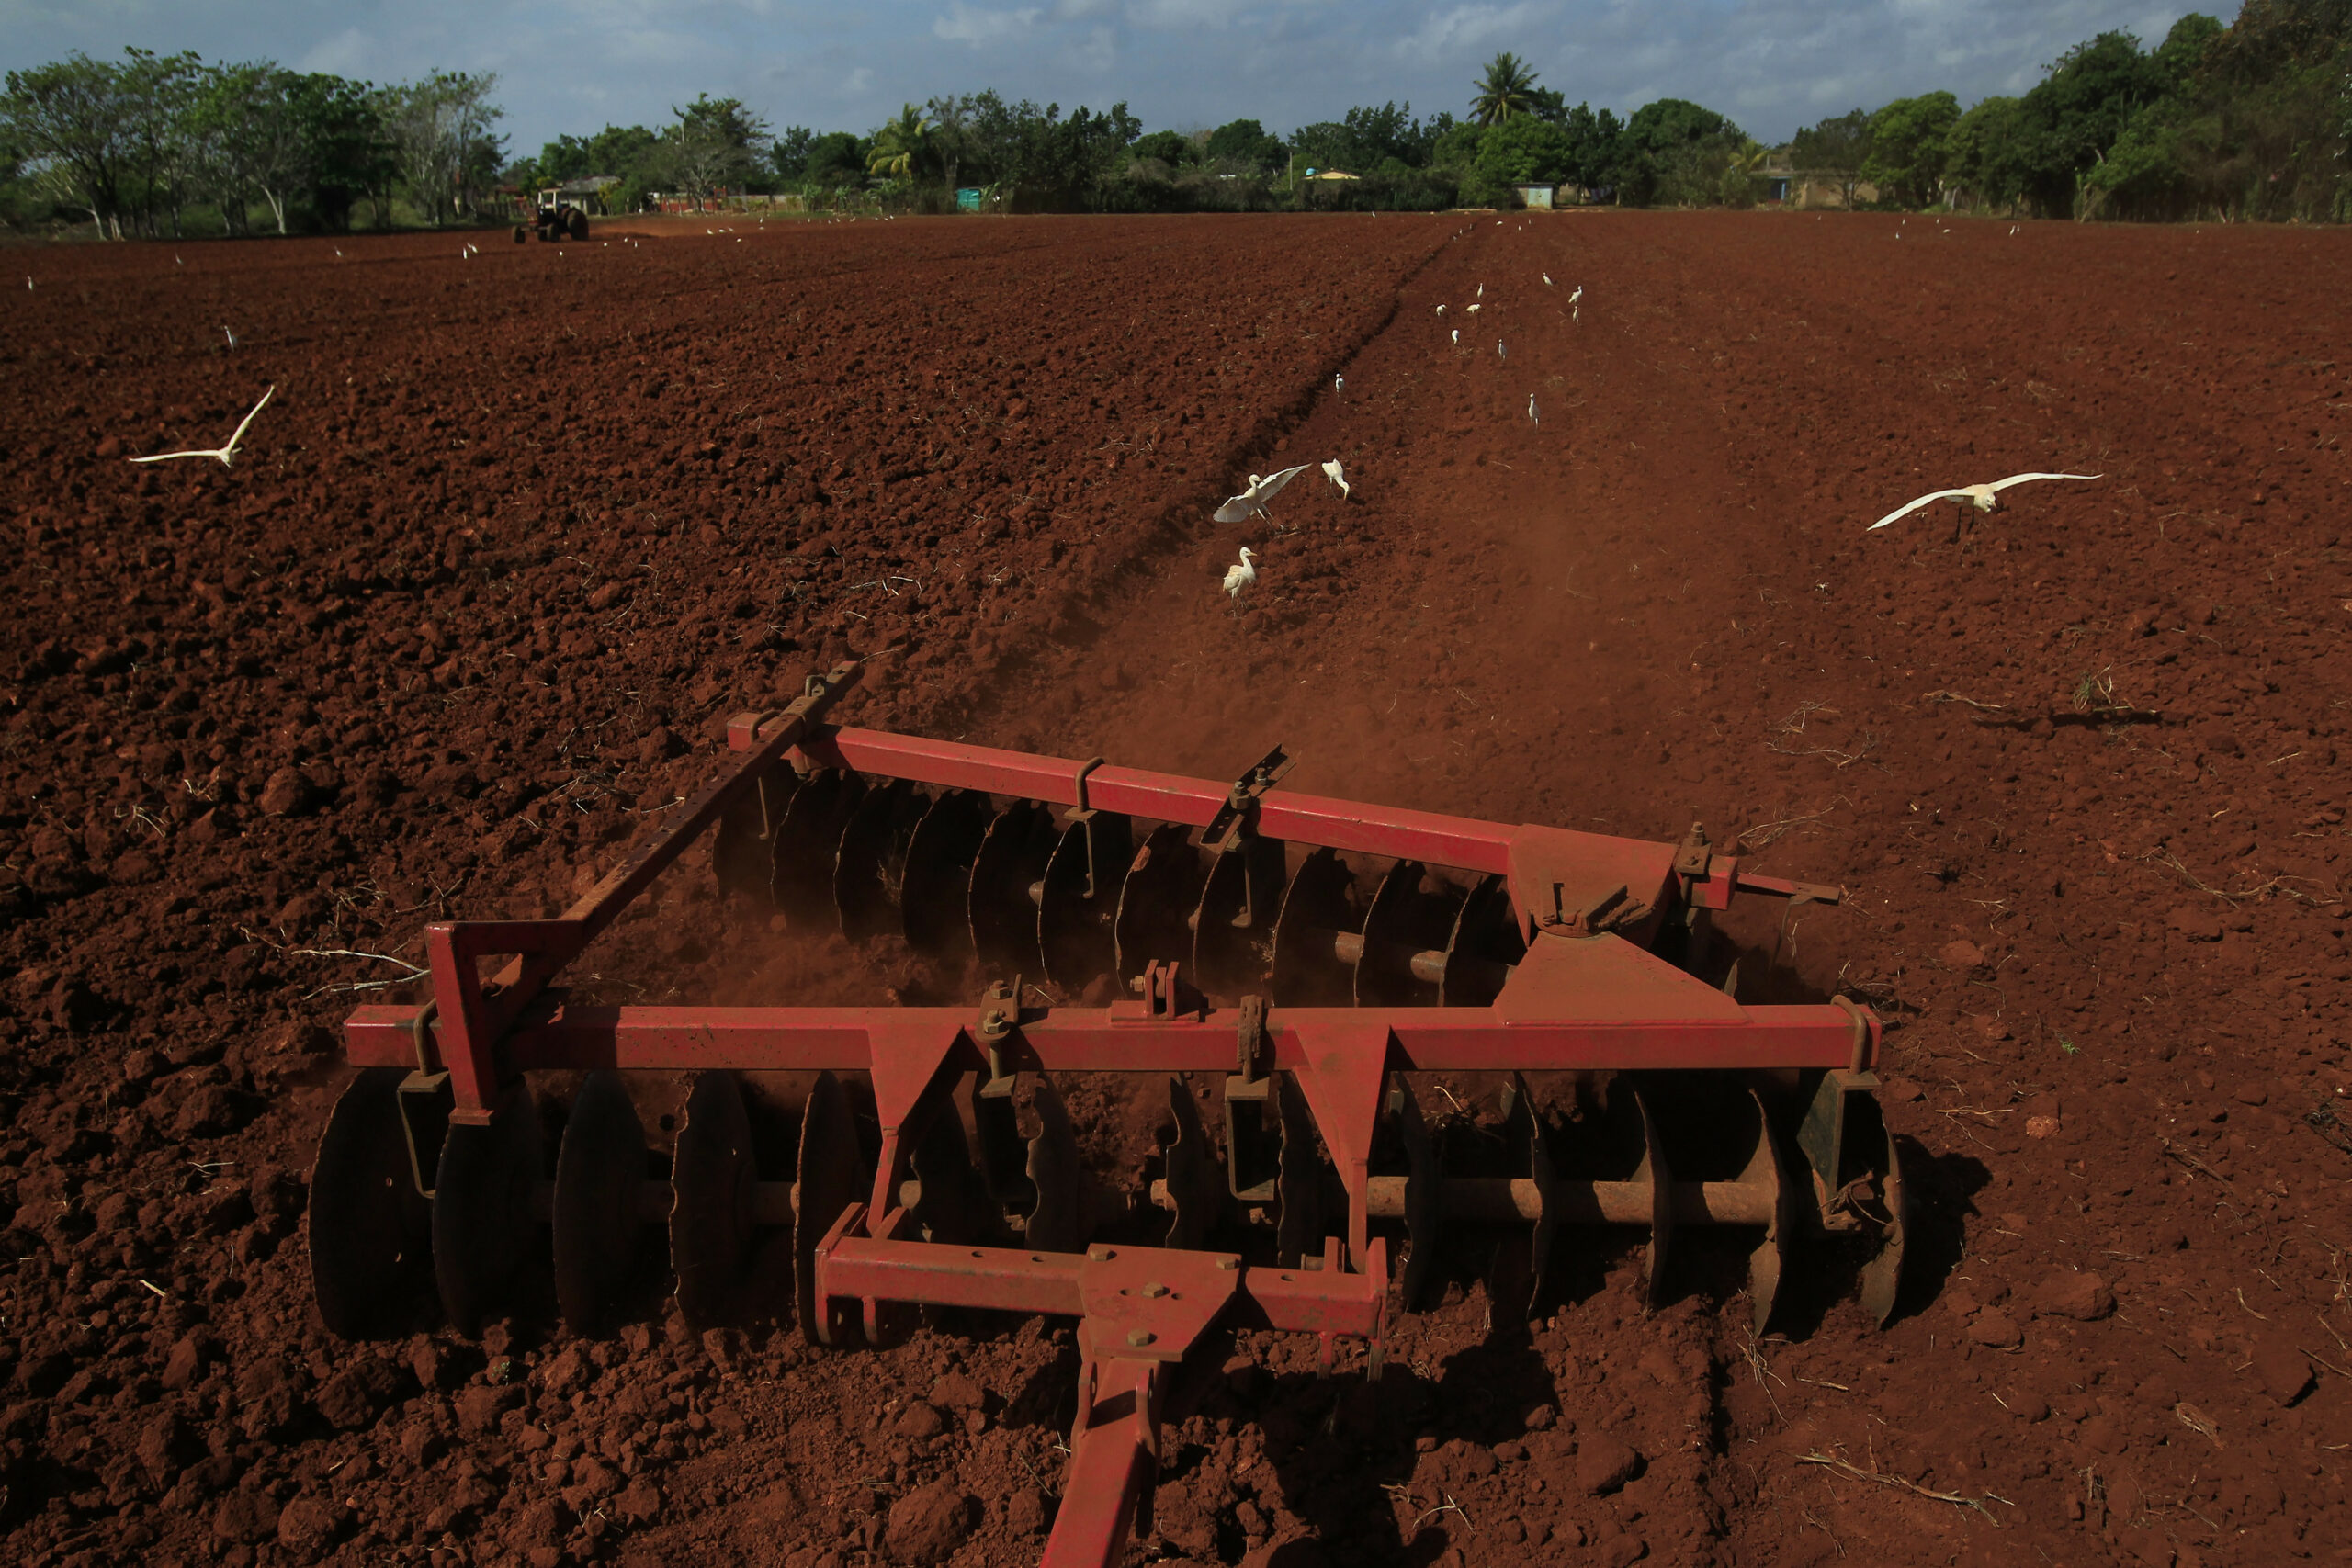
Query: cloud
{"type": "Point", "coordinates": [980, 28]}
{"type": "Point", "coordinates": [1468, 27]}
{"type": "Point", "coordinates": [348, 53]}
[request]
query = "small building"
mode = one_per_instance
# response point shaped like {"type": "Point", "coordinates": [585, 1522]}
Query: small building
{"type": "Point", "coordinates": [1536, 197]}
{"type": "Point", "coordinates": [588, 193]}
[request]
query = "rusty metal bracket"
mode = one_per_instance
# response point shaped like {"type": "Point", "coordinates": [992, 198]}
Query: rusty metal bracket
{"type": "Point", "coordinates": [999, 1016]}
{"type": "Point", "coordinates": [1239, 812]}
{"type": "Point", "coordinates": [1250, 1038]}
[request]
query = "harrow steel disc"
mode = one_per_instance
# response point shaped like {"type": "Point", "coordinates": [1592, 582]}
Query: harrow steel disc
{"type": "Point", "coordinates": [1007, 886]}
{"type": "Point", "coordinates": [831, 1176]}
{"type": "Point", "coordinates": [808, 849]}
{"type": "Point", "coordinates": [1079, 899]}
{"type": "Point", "coordinates": [369, 1231]}
{"type": "Point", "coordinates": [1232, 934]}
{"type": "Point", "coordinates": [1318, 919]}
{"type": "Point", "coordinates": [936, 890]}
{"type": "Point", "coordinates": [1405, 935]}
{"type": "Point", "coordinates": [1485, 945]}
{"type": "Point", "coordinates": [870, 868]}
{"type": "Point", "coordinates": [1157, 900]}
{"type": "Point", "coordinates": [1196, 1188]}
{"type": "Point", "coordinates": [712, 1180]}
{"type": "Point", "coordinates": [485, 1230]}
{"type": "Point", "coordinates": [600, 1183]}
{"type": "Point", "coordinates": [743, 849]}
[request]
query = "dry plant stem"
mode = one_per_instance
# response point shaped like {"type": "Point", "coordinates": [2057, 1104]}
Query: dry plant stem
{"type": "Point", "coordinates": [1830, 1462]}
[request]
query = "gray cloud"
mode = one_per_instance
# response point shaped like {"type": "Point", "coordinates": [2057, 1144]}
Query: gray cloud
{"type": "Point", "coordinates": [574, 64]}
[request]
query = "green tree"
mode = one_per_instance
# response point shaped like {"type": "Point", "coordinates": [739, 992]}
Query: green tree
{"type": "Point", "coordinates": [1990, 156]}
{"type": "Point", "coordinates": [1506, 88]}
{"type": "Point", "coordinates": [948, 140]}
{"type": "Point", "coordinates": [834, 159]}
{"type": "Point", "coordinates": [714, 145]}
{"type": "Point", "coordinates": [2079, 111]}
{"type": "Point", "coordinates": [788, 152]}
{"type": "Point", "coordinates": [439, 131]}
{"type": "Point", "coordinates": [1172, 148]}
{"type": "Point", "coordinates": [1907, 146]}
{"type": "Point", "coordinates": [1524, 150]}
{"type": "Point", "coordinates": [72, 120]}
{"type": "Point", "coordinates": [1836, 147]}
{"type": "Point", "coordinates": [1675, 151]}
{"type": "Point", "coordinates": [901, 144]}
{"type": "Point", "coordinates": [1246, 142]}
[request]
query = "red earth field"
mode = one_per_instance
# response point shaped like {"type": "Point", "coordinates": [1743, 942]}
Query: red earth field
{"type": "Point", "coordinates": [519, 528]}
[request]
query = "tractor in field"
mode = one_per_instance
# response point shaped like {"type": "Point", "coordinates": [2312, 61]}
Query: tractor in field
{"type": "Point", "coordinates": [553, 216]}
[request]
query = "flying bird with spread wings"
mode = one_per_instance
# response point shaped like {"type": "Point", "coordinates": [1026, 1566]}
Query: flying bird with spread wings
{"type": "Point", "coordinates": [226, 455]}
{"type": "Point", "coordinates": [1251, 503]}
{"type": "Point", "coordinates": [1983, 497]}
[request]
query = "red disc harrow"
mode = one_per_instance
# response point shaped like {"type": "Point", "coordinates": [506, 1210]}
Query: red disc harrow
{"type": "Point", "coordinates": [1296, 972]}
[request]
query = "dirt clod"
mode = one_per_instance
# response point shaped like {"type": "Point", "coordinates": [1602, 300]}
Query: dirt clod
{"type": "Point", "coordinates": [928, 1524]}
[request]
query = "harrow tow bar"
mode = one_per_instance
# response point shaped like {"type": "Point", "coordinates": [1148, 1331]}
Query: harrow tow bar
{"type": "Point", "coordinates": [1140, 1311]}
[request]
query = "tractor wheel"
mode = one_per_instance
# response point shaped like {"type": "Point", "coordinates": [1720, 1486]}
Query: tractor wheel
{"type": "Point", "coordinates": [545, 232]}
{"type": "Point", "coordinates": [521, 233]}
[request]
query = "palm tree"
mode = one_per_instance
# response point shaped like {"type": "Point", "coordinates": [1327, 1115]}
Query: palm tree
{"type": "Point", "coordinates": [1504, 90]}
{"type": "Point", "coordinates": [897, 144]}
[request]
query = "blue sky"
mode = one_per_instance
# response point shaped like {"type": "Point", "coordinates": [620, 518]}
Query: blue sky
{"type": "Point", "coordinates": [1772, 65]}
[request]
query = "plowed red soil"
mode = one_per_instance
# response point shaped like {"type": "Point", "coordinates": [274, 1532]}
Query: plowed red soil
{"type": "Point", "coordinates": [519, 528]}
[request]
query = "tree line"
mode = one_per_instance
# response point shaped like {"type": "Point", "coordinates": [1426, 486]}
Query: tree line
{"type": "Point", "coordinates": [132, 146]}
{"type": "Point", "coordinates": [2251, 120]}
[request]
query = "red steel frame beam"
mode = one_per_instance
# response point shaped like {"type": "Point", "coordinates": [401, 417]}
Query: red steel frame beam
{"type": "Point", "coordinates": [1141, 1310]}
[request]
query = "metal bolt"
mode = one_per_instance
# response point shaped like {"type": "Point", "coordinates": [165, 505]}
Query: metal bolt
{"type": "Point", "coordinates": [1140, 1336]}
{"type": "Point", "coordinates": [1228, 1264]}
{"type": "Point", "coordinates": [1154, 1288]}
{"type": "Point", "coordinates": [1100, 1253]}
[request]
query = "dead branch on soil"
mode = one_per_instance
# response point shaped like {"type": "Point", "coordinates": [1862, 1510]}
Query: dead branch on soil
{"type": "Point", "coordinates": [413, 971]}
{"type": "Point", "coordinates": [1830, 1462]}
{"type": "Point", "coordinates": [2193, 1163]}
{"type": "Point", "coordinates": [2196, 1421]}
{"type": "Point", "coordinates": [1448, 1507]}
{"type": "Point", "coordinates": [1971, 702]}
{"type": "Point", "coordinates": [1755, 839]}
{"type": "Point", "coordinates": [2166, 858]}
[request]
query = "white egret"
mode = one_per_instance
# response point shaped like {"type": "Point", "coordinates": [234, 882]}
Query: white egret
{"type": "Point", "coordinates": [1251, 503]}
{"type": "Point", "coordinates": [1531, 410]}
{"type": "Point", "coordinates": [1331, 471]}
{"type": "Point", "coordinates": [1980, 496]}
{"type": "Point", "coordinates": [1547, 280]}
{"type": "Point", "coordinates": [1577, 295]}
{"type": "Point", "coordinates": [223, 453]}
{"type": "Point", "coordinates": [1472, 309]}
{"type": "Point", "coordinates": [1457, 335]}
{"type": "Point", "coordinates": [1238, 578]}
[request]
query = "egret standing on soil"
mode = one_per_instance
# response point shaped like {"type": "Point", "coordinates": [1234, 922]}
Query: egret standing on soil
{"type": "Point", "coordinates": [1240, 576]}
